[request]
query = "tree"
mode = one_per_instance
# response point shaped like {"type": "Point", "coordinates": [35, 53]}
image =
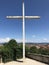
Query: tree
{"type": "Point", "coordinates": [26, 50]}
{"type": "Point", "coordinates": [43, 51]}
{"type": "Point", "coordinates": [9, 50]}
{"type": "Point", "coordinates": [12, 44]}
{"type": "Point", "coordinates": [20, 50]}
{"type": "Point", "coordinates": [33, 49]}
{"type": "Point", "coordinates": [5, 54]}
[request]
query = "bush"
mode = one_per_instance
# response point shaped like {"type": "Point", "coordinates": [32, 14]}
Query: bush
{"type": "Point", "coordinates": [33, 49]}
{"type": "Point", "coordinates": [10, 51]}
{"type": "Point", "coordinates": [43, 51]}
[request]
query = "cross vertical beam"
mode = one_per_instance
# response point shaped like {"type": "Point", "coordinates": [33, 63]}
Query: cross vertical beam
{"type": "Point", "coordinates": [23, 32]}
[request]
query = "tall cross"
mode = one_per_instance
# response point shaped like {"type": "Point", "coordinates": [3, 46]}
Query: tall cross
{"type": "Point", "coordinates": [23, 17]}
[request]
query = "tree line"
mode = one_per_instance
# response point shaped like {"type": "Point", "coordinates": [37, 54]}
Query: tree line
{"type": "Point", "coordinates": [42, 51]}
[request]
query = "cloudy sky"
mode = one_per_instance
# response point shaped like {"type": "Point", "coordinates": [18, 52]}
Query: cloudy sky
{"type": "Point", "coordinates": [37, 30]}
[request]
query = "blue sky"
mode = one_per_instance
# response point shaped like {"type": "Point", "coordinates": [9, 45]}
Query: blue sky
{"type": "Point", "coordinates": [37, 30]}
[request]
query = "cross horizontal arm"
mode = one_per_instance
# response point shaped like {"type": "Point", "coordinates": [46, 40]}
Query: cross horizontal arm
{"type": "Point", "coordinates": [10, 17]}
{"type": "Point", "coordinates": [19, 17]}
{"type": "Point", "coordinates": [32, 17]}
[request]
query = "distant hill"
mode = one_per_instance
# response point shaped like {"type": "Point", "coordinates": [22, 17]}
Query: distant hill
{"type": "Point", "coordinates": [30, 44]}
{"type": "Point", "coordinates": [34, 44]}
{"type": "Point", "coordinates": [43, 43]}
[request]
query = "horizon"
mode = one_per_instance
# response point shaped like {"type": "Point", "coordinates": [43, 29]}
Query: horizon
{"type": "Point", "coordinates": [6, 41]}
{"type": "Point", "coordinates": [37, 30]}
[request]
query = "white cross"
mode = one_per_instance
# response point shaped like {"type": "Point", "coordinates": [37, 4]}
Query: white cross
{"type": "Point", "coordinates": [23, 17]}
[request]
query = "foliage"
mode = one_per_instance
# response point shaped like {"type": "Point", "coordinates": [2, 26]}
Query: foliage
{"type": "Point", "coordinates": [43, 51]}
{"type": "Point", "coordinates": [20, 53]}
{"type": "Point", "coordinates": [26, 50]}
{"type": "Point", "coordinates": [1, 50]}
{"type": "Point", "coordinates": [11, 51]}
{"type": "Point", "coordinates": [21, 50]}
{"type": "Point", "coordinates": [33, 49]}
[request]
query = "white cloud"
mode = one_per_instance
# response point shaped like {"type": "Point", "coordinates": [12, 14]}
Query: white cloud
{"type": "Point", "coordinates": [45, 39]}
{"type": "Point", "coordinates": [38, 40]}
{"type": "Point", "coordinates": [18, 40]}
{"type": "Point", "coordinates": [27, 41]}
{"type": "Point", "coordinates": [2, 40]}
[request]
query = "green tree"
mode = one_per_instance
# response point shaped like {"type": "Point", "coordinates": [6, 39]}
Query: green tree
{"type": "Point", "coordinates": [9, 50]}
{"type": "Point", "coordinates": [21, 50]}
{"type": "Point", "coordinates": [12, 44]}
{"type": "Point", "coordinates": [26, 50]}
{"type": "Point", "coordinates": [33, 49]}
{"type": "Point", "coordinates": [43, 51]}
